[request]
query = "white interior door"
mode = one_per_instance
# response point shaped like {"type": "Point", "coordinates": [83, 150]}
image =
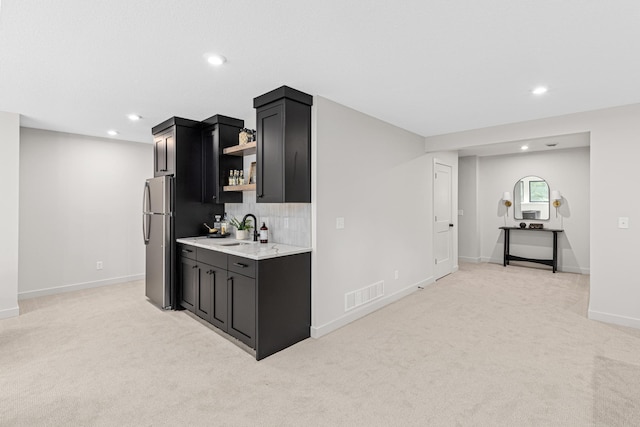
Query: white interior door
{"type": "Point", "coordinates": [443, 225]}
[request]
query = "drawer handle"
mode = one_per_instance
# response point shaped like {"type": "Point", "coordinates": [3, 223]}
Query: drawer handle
{"type": "Point", "coordinates": [186, 251]}
{"type": "Point", "coordinates": [241, 265]}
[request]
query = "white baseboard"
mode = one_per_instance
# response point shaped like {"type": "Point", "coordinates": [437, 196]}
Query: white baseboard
{"type": "Point", "coordinates": [616, 319]}
{"type": "Point", "coordinates": [9, 312]}
{"type": "Point", "coordinates": [318, 331]}
{"type": "Point", "coordinates": [78, 286]}
{"type": "Point", "coordinates": [474, 260]}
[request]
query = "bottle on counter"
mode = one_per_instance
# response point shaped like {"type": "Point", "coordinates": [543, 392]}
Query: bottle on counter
{"type": "Point", "coordinates": [224, 224]}
{"type": "Point", "coordinates": [217, 224]}
{"type": "Point", "coordinates": [264, 234]}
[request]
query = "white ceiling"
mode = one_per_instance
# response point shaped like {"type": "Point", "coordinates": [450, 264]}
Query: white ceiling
{"type": "Point", "coordinates": [556, 142]}
{"type": "Point", "coordinates": [429, 66]}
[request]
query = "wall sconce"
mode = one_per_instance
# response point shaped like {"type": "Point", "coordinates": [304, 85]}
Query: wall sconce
{"type": "Point", "coordinates": [557, 200]}
{"type": "Point", "coordinates": [506, 198]}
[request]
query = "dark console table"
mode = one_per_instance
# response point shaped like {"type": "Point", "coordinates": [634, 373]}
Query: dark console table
{"type": "Point", "coordinates": [550, 262]}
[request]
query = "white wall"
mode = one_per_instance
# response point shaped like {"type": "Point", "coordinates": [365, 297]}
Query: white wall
{"type": "Point", "coordinates": [377, 177]}
{"type": "Point", "coordinates": [615, 150]}
{"type": "Point", "coordinates": [80, 202]}
{"type": "Point", "coordinates": [9, 216]}
{"type": "Point", "coordinates": [564, 170]}
{"type": "Point", "coordinates": [469, 233]}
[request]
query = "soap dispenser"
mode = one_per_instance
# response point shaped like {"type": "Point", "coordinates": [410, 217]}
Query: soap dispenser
{"type": "Point", "coordinates": [264, 234]}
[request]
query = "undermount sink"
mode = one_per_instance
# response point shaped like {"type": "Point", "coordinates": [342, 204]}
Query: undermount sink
{"type": "Point", "coordinates": [232, 244]}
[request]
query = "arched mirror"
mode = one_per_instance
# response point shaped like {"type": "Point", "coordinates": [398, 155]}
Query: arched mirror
{"type": "Point", "coordinates": [531, 199]}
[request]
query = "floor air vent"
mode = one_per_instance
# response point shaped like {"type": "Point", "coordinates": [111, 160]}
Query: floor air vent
{"type": "Point", "coordinates": [362, 296]}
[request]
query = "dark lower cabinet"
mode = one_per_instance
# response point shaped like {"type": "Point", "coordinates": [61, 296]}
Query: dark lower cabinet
{"type": "Point", "coordinates": [218, 284]}
{"type": "Point", "coordinates": [189, 276]}
{"type": "Point", "coordinates": [211, 301]}
{"type": "Point", "coordinates": [242, 308]}
{"type": "Point", "coordinates": [264, 304]}
{"type": "Point", "coordinates": [203, 287]}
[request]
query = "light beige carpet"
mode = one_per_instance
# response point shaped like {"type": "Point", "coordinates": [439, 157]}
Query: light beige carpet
{"type": "Point", "coordinates": [486, 346]}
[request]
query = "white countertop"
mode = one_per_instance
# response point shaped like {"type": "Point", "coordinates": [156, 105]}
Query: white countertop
{"type": "Point", "coordinates": [246, 248]}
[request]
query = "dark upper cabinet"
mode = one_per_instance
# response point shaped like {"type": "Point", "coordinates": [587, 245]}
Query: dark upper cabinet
{"type": "Point", "coordinates": [164, 153]}
{"type": "Point", "coordinates": [283, 121]}
{"type": "Point", "coordinates": [174, 140]}
{"type": "Point", "coordinates": [220, 132]}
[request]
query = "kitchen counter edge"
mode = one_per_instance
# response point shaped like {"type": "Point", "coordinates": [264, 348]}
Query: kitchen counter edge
{"type": "Point", "coordinates": [252, 250]}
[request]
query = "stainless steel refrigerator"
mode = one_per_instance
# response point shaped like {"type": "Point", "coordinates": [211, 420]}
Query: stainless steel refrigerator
{"type": "Point", "coordinates": [157, 230]}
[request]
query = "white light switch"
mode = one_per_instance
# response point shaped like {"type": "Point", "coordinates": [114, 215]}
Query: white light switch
{"type": "Point", "coordinates": [339, 223]}
{"type": "Point", "coordinates": [460, 212]}
{"type": "Point", "coordinates": [623, 222]}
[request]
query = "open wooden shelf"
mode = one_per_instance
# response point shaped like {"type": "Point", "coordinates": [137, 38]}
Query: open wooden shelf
{"type": "Point", "coordinates": [246, 187]}
{"type": "Point", "coordinates": [241, 150]}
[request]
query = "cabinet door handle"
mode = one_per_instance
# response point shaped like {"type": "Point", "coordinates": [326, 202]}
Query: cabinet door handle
{"type": "Point", "coordinates": [195, 266]}
{"type": "Point", "coordinates": [239, 264]}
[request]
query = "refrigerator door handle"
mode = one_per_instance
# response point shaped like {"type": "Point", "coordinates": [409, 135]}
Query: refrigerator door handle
{"type": "Point", "coordinates": [146, 224]}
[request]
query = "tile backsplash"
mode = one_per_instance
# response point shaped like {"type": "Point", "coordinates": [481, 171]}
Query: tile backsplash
{"type": "Point", "coordinates": [276, 216]}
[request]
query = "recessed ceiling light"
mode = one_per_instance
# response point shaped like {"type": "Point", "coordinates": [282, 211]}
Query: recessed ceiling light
{"type": "Point", "coordinates": [540, 90]}
{"type": "Point", "coordinates": [524, 147]}
{"type": "Point", "coordinates": [112, 132]}
{"type": "Point", "coordinates": [134, 117]}
{"type": "Point", "coordinates": [216, 60]}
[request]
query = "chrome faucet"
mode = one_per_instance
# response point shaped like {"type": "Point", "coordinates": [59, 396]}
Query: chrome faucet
{"type": "Point", "coordinates": [255, 225]}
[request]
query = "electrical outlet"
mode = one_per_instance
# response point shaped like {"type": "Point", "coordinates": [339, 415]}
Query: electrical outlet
{"type": "Point", "coordinates": [339, 223]}
{"type": "Point", "coordinates": [396, 274]}
{"type": "Point", "coordinates": [286, 222]}
{"type": "Point", "coordinates": [99, 265]}
{"type": "Point", "coordinates": [623, 222]}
